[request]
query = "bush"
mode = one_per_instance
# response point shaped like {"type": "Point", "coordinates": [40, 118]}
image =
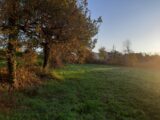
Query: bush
{"type": "Point", "coordinates": [26, 78]}
{"type": "Point", "coordinates": [55, 62]}
{"type": "Point", "coordinates": [30, 57]}
{"type": "Point", "coordinates": [3, 77]}
{"type": "Point", "coordinates": [45, 74]}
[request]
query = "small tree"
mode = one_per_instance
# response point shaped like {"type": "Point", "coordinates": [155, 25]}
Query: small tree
{"type": "Point", "coordinates": [127, 46]}
{"type": "Point", "coordinates": [102, 53]}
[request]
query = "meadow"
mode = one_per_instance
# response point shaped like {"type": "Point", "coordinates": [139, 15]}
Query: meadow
{"type": "Point", "coordinates": [88, 92]}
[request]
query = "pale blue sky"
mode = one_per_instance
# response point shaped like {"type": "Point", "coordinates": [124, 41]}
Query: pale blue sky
{"type": "Point", "coordinates": [136, 20]}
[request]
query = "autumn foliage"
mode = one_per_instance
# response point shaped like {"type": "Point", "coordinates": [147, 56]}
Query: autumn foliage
{"type": "Point", "coordinates": [53, 31]}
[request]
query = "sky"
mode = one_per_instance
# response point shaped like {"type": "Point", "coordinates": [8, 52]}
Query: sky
{"type": "Point", "coordinates": [134, 20]}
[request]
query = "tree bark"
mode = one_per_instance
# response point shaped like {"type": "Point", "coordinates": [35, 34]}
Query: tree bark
{"type": "Point", "coordinates": [11, 62]}
{"type": "Point", "coordinates": [46, 52]}
{"type": "Point", "coordinates": [11, 56]}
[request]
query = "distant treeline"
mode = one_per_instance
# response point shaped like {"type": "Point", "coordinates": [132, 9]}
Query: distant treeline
{"type": "Point", "coordinates": [125, 59]}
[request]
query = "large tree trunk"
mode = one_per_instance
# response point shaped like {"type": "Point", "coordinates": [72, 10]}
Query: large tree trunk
{"type": "Point", "coordinates": [11, 62]}
{"type": "Point", "coordinates": [46, 52]}
{"type": "Point", "coordinates": [11, 56]}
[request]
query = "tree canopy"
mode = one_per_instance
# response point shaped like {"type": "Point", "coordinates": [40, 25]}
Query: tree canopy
{"type": "Point", "coordinates": [41, 25]}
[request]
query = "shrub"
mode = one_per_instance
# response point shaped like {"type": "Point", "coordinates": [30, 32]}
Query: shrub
{"type": "Point", "coordinates": [30, 57]}
{"type": "Point", "coordinates": [3, 77]}
{"type": "Point", "coordinates": [55, 62]}
{"type": "Point", "coordinates": [26, 78]}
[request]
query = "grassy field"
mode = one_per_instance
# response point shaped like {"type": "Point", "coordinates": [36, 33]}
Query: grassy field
{"type": "Point", "coordinates": [88, 92]}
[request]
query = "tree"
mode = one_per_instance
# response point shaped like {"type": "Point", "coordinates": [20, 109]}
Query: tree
{"type": "Point", "coordinates": [51, 21]}
{"type": "Point", "coordinates": [62, 22]}
{"type": "Point", "coordinates": [41, 24]}
{"type": "Point", "coordinates": [102, 53]}
{"type": "Point", "coordinates": [113, 49]}
{"type": "Point", "coordinates": [127, 46]}
{"type": "Point", "coordinates": [10, 22]}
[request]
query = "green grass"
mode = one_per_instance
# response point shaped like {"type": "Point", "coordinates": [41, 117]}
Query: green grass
{"type": "Point", "coordinates": [89, 92]}
{"type": "Point", "coordinates": [2, 63]}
